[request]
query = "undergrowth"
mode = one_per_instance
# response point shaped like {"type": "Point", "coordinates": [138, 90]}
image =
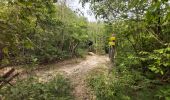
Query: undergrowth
{"type": "Point", "coordinates": [58, 88]}
{"type": "Point", "coordinates": [127, 85]}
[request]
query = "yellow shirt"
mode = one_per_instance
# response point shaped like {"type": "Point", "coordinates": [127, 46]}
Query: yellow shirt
{"type": "Point", "coordinates": [112, 38]}
{"type": "Point", "coordinates": [112, 41]}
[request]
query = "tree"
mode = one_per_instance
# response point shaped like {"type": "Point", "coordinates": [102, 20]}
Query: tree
{"type": "Point", "coordinates": [141, 28]}
{"type": "Point", "coordinates": [37, 31]}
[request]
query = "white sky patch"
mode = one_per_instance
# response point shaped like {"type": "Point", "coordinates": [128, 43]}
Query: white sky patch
{"type": "Point", "coordinates": [76, 6]}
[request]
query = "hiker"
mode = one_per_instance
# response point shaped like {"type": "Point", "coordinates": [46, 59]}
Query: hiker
{"type": "Point", "coordinates": [90, 43]}
{"type": "Point", "coordinates": [112, 47]}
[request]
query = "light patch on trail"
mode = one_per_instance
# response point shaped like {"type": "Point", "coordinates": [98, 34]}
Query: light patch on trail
{"type": "Point", "coordinates": [72, 69]}
{"type": "Point", "coordinates": [77, 73]}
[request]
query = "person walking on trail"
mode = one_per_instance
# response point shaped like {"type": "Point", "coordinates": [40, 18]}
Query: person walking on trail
{"type": "Point", "coordinates": [112, 47]}
{"type": "Point", "coordinates": [90, 44]}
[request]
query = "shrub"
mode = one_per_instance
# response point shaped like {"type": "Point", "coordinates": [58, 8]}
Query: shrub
{"type": "Point", "coordinates": [127, 85]}
{"type": "Point", "coordinates": [163, 93]}
{"type": "Point", "coordinates": [106, 88]}
{"type": "Point", "coordinates": [57, 89]}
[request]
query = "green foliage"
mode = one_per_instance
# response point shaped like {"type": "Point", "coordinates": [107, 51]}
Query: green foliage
{"type": "Point", "coordinates": [158, 60]}
{"type": "Point", "coordinates": [142, 44]}
{"type": "Point", "coordinates": [143, 30]}
{"type": "Point", "coordinates": [163, 93]}
{"type": "Point", "coordinates": [96, 33]}
{"type": "Point", "coordinates": [41, 30]}
{"type": "Point", "coordinates": [120, 86]}
{"type": "Point", "coordinates": [30, 89]}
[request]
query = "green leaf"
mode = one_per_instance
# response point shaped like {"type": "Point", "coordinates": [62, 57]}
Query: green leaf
{"type": "Point", "coordinates": [161, 72]}
{"type": "Point", "coordinates": [5, 61]}
{"type": "Point", "coordinates": [5, 50]}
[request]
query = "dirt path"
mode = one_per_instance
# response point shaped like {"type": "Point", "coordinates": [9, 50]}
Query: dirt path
{"type": "Point", "coordinates": [76, 71]}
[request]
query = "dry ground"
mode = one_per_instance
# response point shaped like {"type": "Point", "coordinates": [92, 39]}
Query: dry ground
{"type": "Point", "coordinates": [76, 69]}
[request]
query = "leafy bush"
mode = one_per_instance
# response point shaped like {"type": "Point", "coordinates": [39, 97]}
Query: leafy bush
{"type": "Point", "coordinates": [57, 89]}
{"type": "Point", "coordinates": [42, 30]}
{"type": "Point", "coordinates": [163, 93]}
{"type": "Point", "coordinates": [127, 85]}
{"type": "Point", "coordinates": [81, 52]}
{"type": "Point", "coordinates": [158, 61]}
{"type": "Point", "coordinates": [107, 88]}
